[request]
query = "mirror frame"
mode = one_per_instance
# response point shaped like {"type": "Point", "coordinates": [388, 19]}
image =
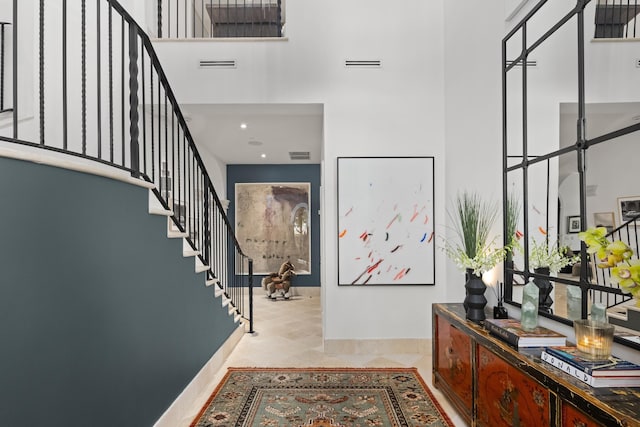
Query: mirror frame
{"type": "Point", "coordinates": [580, 149]}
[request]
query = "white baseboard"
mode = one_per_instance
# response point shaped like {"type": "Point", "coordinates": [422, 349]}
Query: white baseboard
{"type": "Point", "coordinates": [195, 395]}
{"type": "Point", "coordinates": [378, 346]}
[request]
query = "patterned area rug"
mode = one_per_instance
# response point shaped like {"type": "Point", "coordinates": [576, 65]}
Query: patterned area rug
{"type": "Point", "coordinates": [321, 397]}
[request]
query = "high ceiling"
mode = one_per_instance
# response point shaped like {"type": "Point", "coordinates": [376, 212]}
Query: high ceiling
{"type": "Point", "coordinates": [272, 130]}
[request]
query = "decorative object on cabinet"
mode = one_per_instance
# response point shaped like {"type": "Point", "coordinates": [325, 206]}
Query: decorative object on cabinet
{"type": "Point", "coordinates": [473, 251]}
{"type": "Point", "coordinates": [500, 311]}
{"type": "Point", "coordinates": [529, 309]}
{"type": "Point", "coordinates": [511, 331]}
{"type": "Point", "coordinates": [385, 221]}
{"type": "Point", "coordinates": [594, 339]}
{"type": "Point", "coordinates": [546, 259]}
{"type": "Point", "coordinates": [612, 372]}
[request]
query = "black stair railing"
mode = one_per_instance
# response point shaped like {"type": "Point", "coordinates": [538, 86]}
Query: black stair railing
{"type": "Point", "coordinates": [103, 96]}
{"type": "Point", "coordinates": [4, 36]}
{"type": "Point", "coordinates": [219, 18]}
{"type": "Point", "coordinates": [603, 290]}
{"type": "Point", "coordinates": [617, 19]}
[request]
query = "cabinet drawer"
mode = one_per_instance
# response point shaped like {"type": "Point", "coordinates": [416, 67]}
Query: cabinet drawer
{"type": "Point", "coordinates": [453, 361]}
{"type": "Point", "coordinates": [573, 417]}
{"type": "Point", "coordinates": [508, 397]}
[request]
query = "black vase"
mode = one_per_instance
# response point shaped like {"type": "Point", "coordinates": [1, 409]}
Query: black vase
{"type": "Point", "coordinates": [544, 298]}
{"type": "Point", "coordinates": [475, 301]}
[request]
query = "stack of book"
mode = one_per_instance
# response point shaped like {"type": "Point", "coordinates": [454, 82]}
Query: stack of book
{"type": "Point", "coordinates": [510, 330]}
{"type": "Point", "coordinates": [614, 372]}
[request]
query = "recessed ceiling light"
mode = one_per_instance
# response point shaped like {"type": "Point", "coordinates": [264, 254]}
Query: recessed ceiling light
{"type": "Point", "coordinates": [243, 125]}
{"type": "Point", "coordinates": [264, 156]}
{"type": "Point", "coordinates": [255, 143]}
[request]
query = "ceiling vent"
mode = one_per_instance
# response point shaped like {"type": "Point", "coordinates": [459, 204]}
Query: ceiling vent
{"type": "Point", "coordinates": [299, 155]}
{"type": "Point", "coordinates": [531, 63]}
{"type": "Point", "coordinates": [373, 63]}
{"type": "Point", "coordinates": [220, 64]}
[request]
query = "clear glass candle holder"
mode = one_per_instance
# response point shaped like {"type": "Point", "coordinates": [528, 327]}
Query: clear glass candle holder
{"type": "Point", "coordinates": [594, 339]}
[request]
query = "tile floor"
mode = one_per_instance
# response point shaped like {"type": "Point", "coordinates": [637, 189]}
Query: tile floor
{"type": "Point", "coordinates": [289, 334]}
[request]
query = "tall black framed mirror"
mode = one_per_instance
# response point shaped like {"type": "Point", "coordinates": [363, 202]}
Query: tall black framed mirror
{"type": "Point", "coordinates": [571, 155]}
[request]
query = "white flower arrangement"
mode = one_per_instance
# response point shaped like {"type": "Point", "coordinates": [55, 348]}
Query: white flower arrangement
{"type": "Point", "coordinates": [472, 221]}
{"type": "Point", "coordinates": [552, 256]}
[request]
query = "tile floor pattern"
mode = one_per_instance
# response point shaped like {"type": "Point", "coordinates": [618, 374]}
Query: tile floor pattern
{"type": "Point", "coordinates": [289, 334]}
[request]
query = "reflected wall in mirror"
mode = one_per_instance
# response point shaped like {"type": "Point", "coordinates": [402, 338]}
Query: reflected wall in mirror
{"type": "Point", "coordinates": [572, 112]}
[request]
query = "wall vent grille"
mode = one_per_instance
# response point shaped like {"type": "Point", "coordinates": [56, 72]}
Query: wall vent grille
{"type": "Point", "coordinates": [372, 63]}
{"type": "Point", "coordinates": [299, 155]}
{"type": "Point", "coordinates": [213, 64]}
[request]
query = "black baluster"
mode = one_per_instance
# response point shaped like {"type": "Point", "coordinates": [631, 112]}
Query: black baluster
{"type": "Point", "coordinates": [122, 86]}
{"type": "Point", "coordinates": [2, 24]}
{"type": "Point", "coordinates": [99, 80]}
{"type": "Point", "coordinates": [134, 132]}
{"type": "Point", "coordinates": [14, 105]}
{"type": "Point", "coordinates": [41, 66]}
{"type": "Point", "coordinates": [159, 29]}
{"type": "Point", "coordinates": [110, 85]}
{"type": "Point", "coordinates": [152, 125]}
{"type": "Point", "coordinates": [65, 114]}
{"type": "Point", "coordinates": [279, 20]}
{"type": "Point", "coordinates": [144, 110]}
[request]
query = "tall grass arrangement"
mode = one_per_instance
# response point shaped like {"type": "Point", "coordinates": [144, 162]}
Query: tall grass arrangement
{"type": "Point", "coordinates": [472, 220]}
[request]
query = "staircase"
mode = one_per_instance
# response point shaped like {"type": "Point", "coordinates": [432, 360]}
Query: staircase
{"type": "Point", "coordinates": [103, 98]}
{"type": "Point", "coordinates": [93, 97]}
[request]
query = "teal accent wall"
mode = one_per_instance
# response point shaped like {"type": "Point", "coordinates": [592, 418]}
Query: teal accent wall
{"type": "Point", "coordinates": [283, 173]}
{"type": "Point", "coordinates": [102, 321]}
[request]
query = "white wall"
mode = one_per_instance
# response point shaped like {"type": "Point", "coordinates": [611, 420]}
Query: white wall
{"type": "Point", "coordinates": [393, 111]}
{"type": "Point", "coordinates": [473, 34]}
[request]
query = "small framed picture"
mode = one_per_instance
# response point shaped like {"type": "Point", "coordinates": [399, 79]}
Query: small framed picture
{"type": "Point", "coordinates": [629, 208]}
{"type": "Point", "coordinates": [573, 224]}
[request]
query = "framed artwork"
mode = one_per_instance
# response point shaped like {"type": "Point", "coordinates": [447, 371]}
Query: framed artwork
{"type": "Point", "coordinates": [273, 224]}
{"type": "Point", "coordinates": [605, 219]}
{"type": "Point", "coordinates": [573, 224]}
{"type": "Point", "coordinates": [628, 208]}
{"type": "Point", "coordinates": [385, 221]}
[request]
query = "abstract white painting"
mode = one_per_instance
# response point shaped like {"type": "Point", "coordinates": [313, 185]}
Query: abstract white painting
{"type": "Point", "coordinates": [385, 221]}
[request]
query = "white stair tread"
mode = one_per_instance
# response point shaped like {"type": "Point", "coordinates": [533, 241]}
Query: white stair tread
{"type": "Point", "coordinates": [237, 318]}
{"type": "Point", "coordinates": [621, 315]}
{"type": "Point", "coordinates": [225, 301]}
{"type": "Point", "coordinates": [219, 292]}
{"type": "Point", "coordinates": [176, 234]}
{"type": "Point", "coordinates": [160, 211]}
{"type": "Point", "coordinates": [210, 282]}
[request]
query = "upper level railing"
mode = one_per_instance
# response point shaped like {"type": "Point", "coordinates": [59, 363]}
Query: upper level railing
{"type": "Point", "coordinates": [5, 105]}
{"type": "Point", "coordinates": [617, 19]}
{"type": "Point", "coordinates": [219, 18]}
{"type": "Point", "coordinates": [103, 96]}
